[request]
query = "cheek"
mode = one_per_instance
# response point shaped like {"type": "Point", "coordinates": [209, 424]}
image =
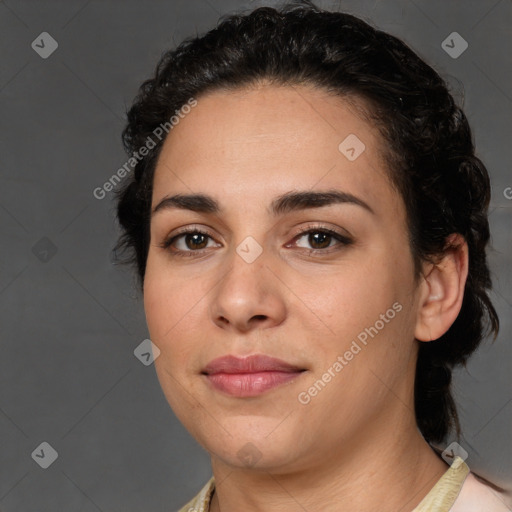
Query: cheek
{"type": "Point", "coordinates": [169, 310]}
{"type": "Point", "coordinates": [167, 298]}
{"type": "Point", "coordinates": [352, 298]}
{"type": "Point", "coordinates": [368, 302]}
{"type": "Point", "coordinates": [169, 316]}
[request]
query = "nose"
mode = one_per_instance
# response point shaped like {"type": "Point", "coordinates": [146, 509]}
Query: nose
{"type": "Point", "coordinates": [249, 296]}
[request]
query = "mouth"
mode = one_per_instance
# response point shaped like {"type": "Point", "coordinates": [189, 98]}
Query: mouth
{"type": "Point", "coordinates": [249, 376]}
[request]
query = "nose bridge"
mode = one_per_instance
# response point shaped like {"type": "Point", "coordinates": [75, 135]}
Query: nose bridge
{"type": "Point", "coordinates": [247, 271]}
{"type": "Point", "coordinates": [248, 288]}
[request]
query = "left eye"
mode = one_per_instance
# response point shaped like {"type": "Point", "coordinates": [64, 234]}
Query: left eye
{"type": "Point", "coordinates": [321, 239]}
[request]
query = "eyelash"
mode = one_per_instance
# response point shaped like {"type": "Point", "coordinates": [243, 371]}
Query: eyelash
{"type": "Point", "coordinates": [342, 239]}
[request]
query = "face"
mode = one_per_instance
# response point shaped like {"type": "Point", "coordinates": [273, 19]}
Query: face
{"type": "Point", "coordinates": [298, 251]}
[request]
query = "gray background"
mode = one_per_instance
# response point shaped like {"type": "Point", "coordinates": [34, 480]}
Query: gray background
{"type": "Point", "coordinates": [70, 320]}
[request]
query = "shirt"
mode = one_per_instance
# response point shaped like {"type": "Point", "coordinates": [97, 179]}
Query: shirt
{"type": "Point", "coordinates": [458, 490]}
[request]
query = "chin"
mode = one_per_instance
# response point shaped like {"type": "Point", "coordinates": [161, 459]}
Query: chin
{"type": "Point", "coordinates": [253, 444]}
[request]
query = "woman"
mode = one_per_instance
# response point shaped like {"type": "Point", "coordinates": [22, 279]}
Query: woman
{"type": "Point", "coordinates": [308, 221]}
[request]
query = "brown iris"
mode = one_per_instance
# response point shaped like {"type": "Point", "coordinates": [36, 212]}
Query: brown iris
{"type": "Point", "coordinates": [198, 240]}
{"type": "Point", "coordinates": [322, 239]}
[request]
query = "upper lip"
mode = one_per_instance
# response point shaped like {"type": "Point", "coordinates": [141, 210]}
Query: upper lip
{"type": "Point", "coordinates": [249, 364]}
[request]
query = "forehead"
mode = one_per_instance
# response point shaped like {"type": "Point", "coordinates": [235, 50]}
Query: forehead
{"type": "Point", "coordinates": [269, 139]}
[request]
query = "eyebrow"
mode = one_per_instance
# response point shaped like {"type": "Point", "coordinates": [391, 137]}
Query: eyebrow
{"type": "Point", "coordinates": [288, 202]}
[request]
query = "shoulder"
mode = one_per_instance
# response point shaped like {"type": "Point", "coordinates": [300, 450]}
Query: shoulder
{"type": "Point", "coordinates": [477, 495]}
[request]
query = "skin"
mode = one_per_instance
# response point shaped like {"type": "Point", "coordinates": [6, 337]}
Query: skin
{"type": "Point", "coordinates": [355, 445]}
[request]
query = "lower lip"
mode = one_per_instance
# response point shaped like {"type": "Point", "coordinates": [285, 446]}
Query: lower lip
{"type": "Point", "coordinates": [249, 384]}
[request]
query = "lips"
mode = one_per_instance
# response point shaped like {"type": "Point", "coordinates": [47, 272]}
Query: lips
{"type": "Point", "coordinates": [251, 364]}
{"type": "Point", "coordinates": [249, 376]}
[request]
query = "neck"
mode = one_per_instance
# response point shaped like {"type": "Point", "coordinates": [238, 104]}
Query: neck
{"type": "Point", "coordinates": [387, 466]}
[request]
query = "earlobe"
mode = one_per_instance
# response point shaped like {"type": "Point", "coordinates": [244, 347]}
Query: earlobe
{"type": "Point", "coordinates": [442, 290]}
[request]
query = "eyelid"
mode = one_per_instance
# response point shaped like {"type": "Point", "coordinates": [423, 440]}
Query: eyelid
{"type": "Point", "coordinates": [189, 229]}
{"type": "Point", "coordinates": [343, 240]}
{"type": "Point", "coordinates": [322, 227]}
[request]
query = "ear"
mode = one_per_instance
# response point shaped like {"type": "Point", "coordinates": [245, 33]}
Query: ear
{"type": "Point", "coordinates": [442, 290]}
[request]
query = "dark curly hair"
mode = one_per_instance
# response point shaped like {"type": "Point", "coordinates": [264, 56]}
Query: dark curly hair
{"type": "Point", "coordinates": [430, 154]}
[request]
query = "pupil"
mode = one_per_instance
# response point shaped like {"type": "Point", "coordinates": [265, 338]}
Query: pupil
{"type": "Point", "coordinates": [194, 237]}
{"type": "Point", "coordinates": [319, 238]}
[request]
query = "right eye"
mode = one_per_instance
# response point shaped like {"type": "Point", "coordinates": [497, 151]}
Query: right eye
{"type": "Point", "coordinates": [187, 242]}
